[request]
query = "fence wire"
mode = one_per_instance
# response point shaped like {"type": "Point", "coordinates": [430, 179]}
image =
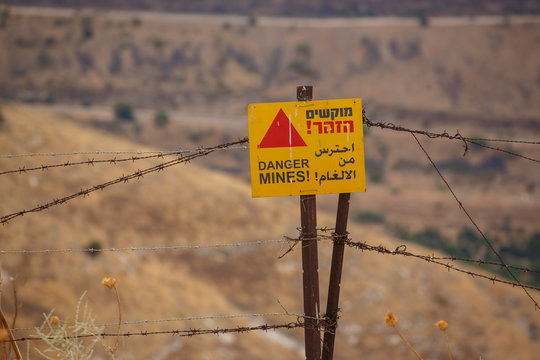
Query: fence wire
{"type": "Point", "coordinates": [142, 248]}
{"type": "Point", "coordinates": [402, 250]}
{"type": "Point", "coordinates": [123, 179]}
{"type": "Point", "coordinates": [484, 237]}
{"type": "Point", "coordinates": [190, 318]}
{"type": "Point", "coordinates": [174, 332]}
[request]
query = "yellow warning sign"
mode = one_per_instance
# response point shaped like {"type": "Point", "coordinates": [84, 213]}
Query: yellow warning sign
{"type": "Point", "coordinates": [306, 147]}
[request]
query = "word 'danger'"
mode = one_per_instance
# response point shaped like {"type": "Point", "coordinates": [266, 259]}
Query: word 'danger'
{"type": "Point", "coordinates": [306, 147]}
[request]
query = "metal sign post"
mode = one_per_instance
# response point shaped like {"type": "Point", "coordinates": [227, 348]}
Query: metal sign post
{"type": "Point", "coordinates": [310, 262]}
{"type": "Point", "coordinates": [338, 250]}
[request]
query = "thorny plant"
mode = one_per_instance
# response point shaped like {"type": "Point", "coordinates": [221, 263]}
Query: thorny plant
{"type": "Point", "coordinates": [78, 343]}
{"type": "Point", "coordinates": [64, 344]}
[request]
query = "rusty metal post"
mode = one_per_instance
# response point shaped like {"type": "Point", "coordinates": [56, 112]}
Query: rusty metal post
{"type": "Point", "coordinates": [310, 261]}
{"type": "Point", "coordinates": [335, 275]}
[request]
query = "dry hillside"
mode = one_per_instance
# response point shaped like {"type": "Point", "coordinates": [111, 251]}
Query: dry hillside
{"type": "Point", "coordinates": [191, 205]}
{"type": "Point", "coordinates": [218, 64]}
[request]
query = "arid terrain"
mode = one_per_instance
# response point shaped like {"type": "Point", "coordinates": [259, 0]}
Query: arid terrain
{"type": "Point", "coordinates": [63, 71]}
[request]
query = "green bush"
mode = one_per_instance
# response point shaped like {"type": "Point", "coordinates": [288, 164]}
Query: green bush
{"type": "Point", "coordinates": [533, 246]}
{"type": "Point", "coordinates": [87, 28]}
{"type": "Point", "coordinates": [303, 49]}
{"type": "Point", "coordinates": [44, 59]}
{"type": "Point", "coordinates": [302, 68]}
{"type": "Point", "coordinates": [369, 217]}
{"type": "Point", "coordinates": [161, 118]}
{"type": "Point", "coordinates": [252, 19]}
{"type": "Point", "coordinates": [92, 246]}
{"type": "Point", "coordinates": [124, 112]}
{"type": "Point", "coordinates": [197, 135]}
{"type": "Point", "coordinates": [374, 170]}
{"type": "Point", "coordinates": [4, 16]}
{"type": "Point", "coordinates": [423, 19]}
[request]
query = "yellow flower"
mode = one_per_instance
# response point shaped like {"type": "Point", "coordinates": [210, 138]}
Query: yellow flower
{"type": "Point", "coordinates": [442, 325]}
{"type": "Point", "coordinates": [390, 319]}
{"type": "Point", "coordinates": [54, 320]}
{"type": "Point", "coordinates": [109, 282]}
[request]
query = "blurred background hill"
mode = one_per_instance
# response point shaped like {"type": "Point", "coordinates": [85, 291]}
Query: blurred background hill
{"type": "Point", "coordinates": [146, 75]}
{"type": "Point", "coordinates": [307, 8]}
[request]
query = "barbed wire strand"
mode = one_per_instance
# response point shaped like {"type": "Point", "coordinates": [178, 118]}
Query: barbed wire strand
{"type": "Point", "coordinates": [123, 179]}
{"type": "Point", "coordinates": [142, 248]}
{"type": "Point", "coordinates": [284, 240]}
{"type": "Point", "coordinates": [401, 250]}
{"type": "Point", "coordinates": [508, 152]}
{"type": "Point", "coordinates": [432, 256]}
{"type": "Point", "coordinates": [457, 136]}
{"type": "Point", "coordinates": [191, 318]}
{"type": "Point", "coordinates": [486, 240]}
{"type": "Point", "coordinates": [505, 141]}
{"type": "Point", "coordinates": [484, 262]}
{"type": "Point", "coordinates": [367, 121]}
{"type": "Point", "coordinates": [176, 332]}
{"type": "Point", "coordinates": [114, 161]}
{"type": "Point", "coordinates": [97, 152]}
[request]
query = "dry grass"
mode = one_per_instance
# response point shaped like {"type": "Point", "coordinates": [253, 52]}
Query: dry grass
{"type": "Point", "coordinates": [192, 205]}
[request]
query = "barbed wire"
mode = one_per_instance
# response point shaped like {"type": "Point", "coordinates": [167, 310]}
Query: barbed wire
{"type": "Point", "coordinates": [508, 152]}
{"type": "Point", "coordinates": [457, 136]}
{"type": "Point", "coordinates": [123, 179]}
{"type": "Point", "coordinates": [484, 237]}
{"type": "Point", "coordinates": [284, 240]}
{"type": "Point", "coordinates": [191, 318]}
{"type": "Point", "coordinates": [431, 256]}
{"type": "Point", "coordinates": [366, 121]}
{"type": "Point", "coordinates": [484, 262]}
{"type": "Point", "coordinates": [402, 250]}
{"type": "Point", "coordinates": [142, 248]}
{"type": "Point", "coordinates": [505, 141]}
{"type": "Point", "coordinates": [99, 152]}
{"type": "Point", "coordinates": [177, 332]}
{"type": "Point", "coordinates": [113, 161]}
{"type": "Point", "coordinates": [90, 162]}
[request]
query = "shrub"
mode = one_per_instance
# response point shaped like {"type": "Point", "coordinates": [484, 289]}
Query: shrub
{"type": "Point", "coordinates": [158, 43]}
{"type": "Point", "coordinates": [4, 16]}
{"type": "Point", "coordinates": [374, 170]}
{"type": "Point", "coordinates": [44, 60]}
{"type": "Point", "coordinates": [533, 245]}
{"type": "Point", "coordinates": [50, 41]}
{"type": "Point", "coordinates": [423, 19]}
{"type": "Point", "coordinates": [303, 49]}
{"type": "Point", "coordinates": [302, 68]}
{"type": "Point", "coordinates": [87, 28]}
{"type": "Point", "coordinates": [369, 217]}
{"type": "Point", "coordinates": [136, 22]}
{"type": "Point", "coordinates": [94, 245]}
{"type": "Point", "coordinates": [468, 235]}
{"type": "Point", "coordinates": [252, 19]}
{"type": "Point", "coordinates": [161, 118]}
{"type": "Point", "coordinates": [124, 112]}
{"type": "Point", "coordinates": [197, 135]}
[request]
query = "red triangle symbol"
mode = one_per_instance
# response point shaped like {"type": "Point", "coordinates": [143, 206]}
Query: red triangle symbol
{"type": "Point", "coordinates": [281, 133]}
